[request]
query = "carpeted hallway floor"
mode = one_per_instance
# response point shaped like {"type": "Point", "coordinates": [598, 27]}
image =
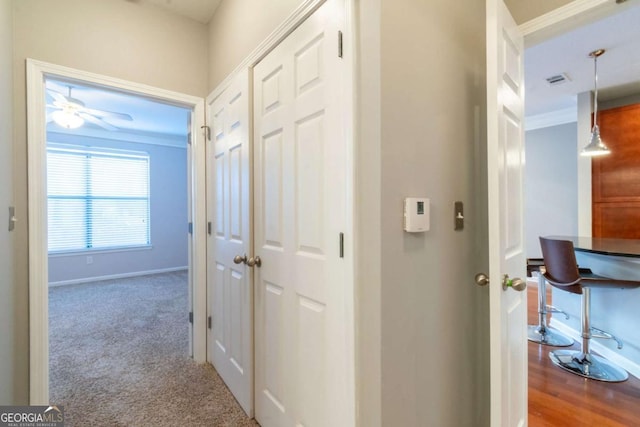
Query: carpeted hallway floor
{"type": "Point", "coordinates": [118, 357]}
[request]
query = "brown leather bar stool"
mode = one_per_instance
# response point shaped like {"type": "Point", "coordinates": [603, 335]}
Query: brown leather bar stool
{"type": "Point", "coordinates": [562, 272]}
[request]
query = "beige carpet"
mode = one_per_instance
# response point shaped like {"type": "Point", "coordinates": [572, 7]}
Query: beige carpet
{"type": "Point", "coordinates": [118, 357]}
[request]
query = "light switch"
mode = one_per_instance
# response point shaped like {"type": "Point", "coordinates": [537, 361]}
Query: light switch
{"type": "Point", "coordinates": [12, 218]}
{"type": "Point", "coordinates": [458, 211]}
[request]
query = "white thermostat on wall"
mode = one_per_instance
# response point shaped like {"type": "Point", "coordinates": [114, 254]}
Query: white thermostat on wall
{"type": "Point", "coordinates": [416, 214]}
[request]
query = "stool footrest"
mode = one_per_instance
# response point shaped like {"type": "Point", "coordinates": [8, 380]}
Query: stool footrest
{"type": "Point", "coordinates": [599, 333]}
{"type": "Point", "coordinates": [552, 309]}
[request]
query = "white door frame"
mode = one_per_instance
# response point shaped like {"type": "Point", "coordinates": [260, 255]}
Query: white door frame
{"type": "Point", "coordinates": [37, 219]}
{"type": "Point", "coordinates": [304, 10]}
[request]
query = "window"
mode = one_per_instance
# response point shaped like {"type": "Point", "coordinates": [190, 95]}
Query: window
{"type": "Point", "coordinates": [97, 199]}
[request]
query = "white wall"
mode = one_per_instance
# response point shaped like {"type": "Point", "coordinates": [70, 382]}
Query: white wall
{"type": "Point", "coordinates": [115, 38]}
{"type": "Point", "coordinates": [168, 218]}
{"type": "Point", "coordinates": [12, 345]}
{"type": "Point", "coordinates": [550, 184]}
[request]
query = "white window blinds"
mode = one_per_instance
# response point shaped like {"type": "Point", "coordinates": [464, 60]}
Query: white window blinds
{"type": "Point", "coordinates": [97, 199]}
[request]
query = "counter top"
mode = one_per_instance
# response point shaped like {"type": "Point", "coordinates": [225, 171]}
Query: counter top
{"type": "Point", "coordinates": [605, 246]}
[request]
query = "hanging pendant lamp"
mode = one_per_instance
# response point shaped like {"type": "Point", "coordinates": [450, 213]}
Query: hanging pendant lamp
{"type": "Point", "coordinates": [595, 147]}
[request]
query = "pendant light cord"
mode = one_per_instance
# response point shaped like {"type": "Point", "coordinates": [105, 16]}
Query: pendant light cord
{"type": "Point", "coordinates": [595, 80]}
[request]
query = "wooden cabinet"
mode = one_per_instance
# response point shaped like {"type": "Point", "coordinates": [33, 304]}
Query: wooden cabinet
{"type": "Point", "coordinates": [616, 177]}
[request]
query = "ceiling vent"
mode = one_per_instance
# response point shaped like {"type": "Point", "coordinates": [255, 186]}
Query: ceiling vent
{"type": "Point", "coordinates": [558, 79]}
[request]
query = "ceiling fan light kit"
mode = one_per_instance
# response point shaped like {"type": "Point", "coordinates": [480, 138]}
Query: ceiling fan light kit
{"type": "Point", "coordinates": [67, 119]}
{"type": "Point", "coordinates": [71, 113]}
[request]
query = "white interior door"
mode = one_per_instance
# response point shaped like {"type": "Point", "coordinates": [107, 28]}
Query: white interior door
{"type": "Point", "coordinates": [229, 282]}
{"type": "Point", "coordinates": [505, 161]}
{"type": "Point", "coordinates": [301, 180]}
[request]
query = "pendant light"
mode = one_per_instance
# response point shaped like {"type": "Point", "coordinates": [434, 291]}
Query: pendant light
{"type": "Point", "coordinates": [595, 147]}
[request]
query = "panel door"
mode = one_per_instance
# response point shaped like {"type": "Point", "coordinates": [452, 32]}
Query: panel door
{"type": "Point", "coordinates": [229, 284]}
{"type": "Point", "coordinates": [505, 162]}
{"type": "Point", "coordinates": [300, 211]}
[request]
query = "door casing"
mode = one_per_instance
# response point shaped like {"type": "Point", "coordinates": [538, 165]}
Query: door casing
{"type": "Point", "coordinates": [37, 218]}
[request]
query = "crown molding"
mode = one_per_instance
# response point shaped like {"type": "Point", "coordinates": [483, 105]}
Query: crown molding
{"type": "Point", "coordinates": [552, 118]}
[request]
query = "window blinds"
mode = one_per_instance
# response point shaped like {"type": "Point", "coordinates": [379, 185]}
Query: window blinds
{"type": "Point", "coordinates": [97, 199]}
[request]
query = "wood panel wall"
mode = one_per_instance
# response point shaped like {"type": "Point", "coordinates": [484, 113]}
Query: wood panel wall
{"type": "Point", "coordinates": [615, 178]}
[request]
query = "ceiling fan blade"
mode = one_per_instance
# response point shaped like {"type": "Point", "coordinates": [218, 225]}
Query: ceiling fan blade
{"type": "Point", "coordinates": [98, 122]}
{"type": "Point", "coordinates": [57, 96]}
{"type": "Point", "coordinates": [109, 114]}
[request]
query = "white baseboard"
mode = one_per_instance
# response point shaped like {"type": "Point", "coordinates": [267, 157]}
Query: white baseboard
{"type": "Point", "coordinates": [116, 276]}
{"type": "Point", "coordinates": [630, 366]}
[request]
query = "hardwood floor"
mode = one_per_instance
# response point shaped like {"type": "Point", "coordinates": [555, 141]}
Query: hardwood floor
{"type": "Point", "coordinates": [558, 398]}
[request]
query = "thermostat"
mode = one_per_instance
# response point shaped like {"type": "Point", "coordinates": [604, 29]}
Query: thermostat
{"type": "Point", "coordinates": [416, 214]}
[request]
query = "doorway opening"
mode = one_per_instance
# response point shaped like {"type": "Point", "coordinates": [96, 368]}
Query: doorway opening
{"type": "Point", "coordinates": [110, 196]}
{"type": "Point", "coordinates": [117, 242]}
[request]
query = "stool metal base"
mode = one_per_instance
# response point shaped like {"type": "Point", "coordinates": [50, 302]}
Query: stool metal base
{"type": "Point", "coordinates": [588, 365]}
{"type": "Point", "coordinates": [547, 336]}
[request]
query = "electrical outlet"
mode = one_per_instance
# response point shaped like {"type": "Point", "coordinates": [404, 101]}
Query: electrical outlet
{"type": "Point", "coordinates": [89, 260]}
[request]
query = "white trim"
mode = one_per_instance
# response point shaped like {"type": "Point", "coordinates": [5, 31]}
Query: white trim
{"type": "Point", "coordinates": [552, 118]}
{"type": "Point", "coordinates": [290, 23]}
{"type": "Point", "coordinates": [37, 218]}
{"type": "Point", "coordinates": [116, 276]}
{"type": "Point", "coordinates": [164, 140]}
{"type": "Point", "coordinates": [559, 15]}
{"type": "Point", "coordinates": [627, 364]}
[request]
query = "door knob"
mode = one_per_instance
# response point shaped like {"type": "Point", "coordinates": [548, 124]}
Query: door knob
{"type": "Point", "coordinates": [516, 283]}
{"type": "Point", "coordinates": [482, 279]}
{"type": "Point", "coordinates": [254, 261]}
{"type": "Point", "coordinates": [240, 259]}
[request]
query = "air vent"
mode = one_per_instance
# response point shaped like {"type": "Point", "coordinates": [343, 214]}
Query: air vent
{"type": "Point", "coordinates": [558, 79]}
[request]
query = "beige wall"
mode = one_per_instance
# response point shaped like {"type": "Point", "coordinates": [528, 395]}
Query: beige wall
{"type": "Point", "coordinates": [433, 99]}
{"type": "Point", "coordinates": [12, 346]}
{"type": "Point", "coordinates": [236, 29]}
{"type": "Point", "coordinates": [526, 10]}
{"type": "Point", "coordinates": [114, 38]}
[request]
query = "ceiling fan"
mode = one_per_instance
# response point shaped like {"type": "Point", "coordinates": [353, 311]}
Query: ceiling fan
{"type": "Point", "coordinates": [71, 113]}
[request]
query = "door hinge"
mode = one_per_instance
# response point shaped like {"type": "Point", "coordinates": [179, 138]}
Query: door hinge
{"type": "Point", "coordinates": [191, 317]}
{"type": "Point", "coordinates": [341, 245]}
{"type": "Point", "coordinates": [209, 228]}
{"type": "Point", "coordinates": [339, 44]}
{"type": "Point", "coordinates": [209, 322]}
{"type": "Point", "coordinates": [190, 228]}
{"type": "Point", "coordinates": [207, 132]}
{"type": "Point", "coordinates": [189, 138]}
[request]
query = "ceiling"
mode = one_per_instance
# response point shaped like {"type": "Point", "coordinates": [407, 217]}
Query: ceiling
{"type": "Point", "coordinates": [151, 120]}
{"type": "Point", "coordinates": [618, 68]}
{"type": "Point", "coordinates": [198, 10]}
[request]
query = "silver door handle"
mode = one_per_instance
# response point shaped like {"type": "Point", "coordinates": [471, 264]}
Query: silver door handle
{"type": "Point", "coordinates": [517, 284]}
{"type": "Point", "coordinates": [254, 261]}
{"type": "Point", "coordinates": [482, 279]}
{"type": "Point", "coordinates": [240, 259]}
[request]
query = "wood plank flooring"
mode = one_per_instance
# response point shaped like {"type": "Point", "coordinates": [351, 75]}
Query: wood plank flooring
{"type": "Point", "coordinates": [558, 398]}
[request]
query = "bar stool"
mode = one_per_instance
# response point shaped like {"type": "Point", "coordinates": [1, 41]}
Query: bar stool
{"type": "Point", "coordinates": [542, 333]}
{"type": "Point", "coordinates": [562, 272]}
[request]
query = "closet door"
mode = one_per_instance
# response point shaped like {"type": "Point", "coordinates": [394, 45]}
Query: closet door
{"type": "Point", "coordinates": [300, 212]}
{"type": "Point", "coordinates": [230, 281]}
